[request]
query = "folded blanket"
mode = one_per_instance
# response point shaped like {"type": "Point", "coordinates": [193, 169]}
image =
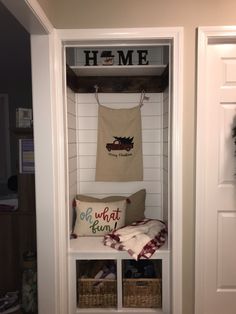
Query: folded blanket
{"type": "Point", "coordinates": [140, 239]}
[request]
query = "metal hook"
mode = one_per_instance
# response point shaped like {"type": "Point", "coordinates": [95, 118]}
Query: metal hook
{"type": "Point", "coordinates": [96, 88]}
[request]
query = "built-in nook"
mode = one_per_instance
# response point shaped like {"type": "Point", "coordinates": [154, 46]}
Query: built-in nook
{"type": "Point", "coordinates": [120, 79]}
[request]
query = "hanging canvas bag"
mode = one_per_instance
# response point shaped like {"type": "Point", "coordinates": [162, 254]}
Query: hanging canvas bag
{"type": "Point", "coordinates": [119, 145]}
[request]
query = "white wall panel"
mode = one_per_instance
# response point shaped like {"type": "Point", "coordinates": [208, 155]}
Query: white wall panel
{"type": "Point", "coordinates": [152, 161]}
{"type": "Point", "coordinates": [150, 174]}
{"type": "Point", "coordinates": [153, 212]}
{"type": "Point", "coordinates": [72, 135]}
{"type": "Point", "coordinates": [73, 178]}
{"type": "Point", "coordinates": [165, 149]}
{"type": "Point", "coordinates": [87, 123]}
{"type": "Point", "coordinates": [153, 200]}
{"type": "Point", "coordinates": [87, 136]}
{"type": "Point", "coordinates": [165, 134]}
{"type": "Point", "coordinates": [165, 120]}
{"type": "Point", "coordinates": [150, 149]}
{"type": "Point", "coordinates": [119, 187]}
{"type": "Point", "coordinates": [87, 162]}
{"type": "Point", "coordinates": [165, 163]}
{"type": "Point", "coordinates": [72, 150]}
{"type": "Point", "coordinates": [73, 164]}
{"type": "Point", "coordinates": [71, 108]}
{"type": "Point", "coordinates": [87, 149]}
{"type": "Point", "coordinates": [71, 120]}
{"type": "Point", "coordinates": [72, 147]}
{"type": "Point", "coordinates": [165, 158]}
{"type": "Point", "coordinates": [151, 136]}
{"type": "Point", "coordinates": [151, 122]}
{"type": "Point", "coordinates": [72, 193]}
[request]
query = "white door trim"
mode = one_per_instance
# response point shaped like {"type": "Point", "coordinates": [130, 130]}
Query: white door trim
{"type": "Point", "coordinates": [176, 35]}
{"type": "Point", "coordinates": [205, 35]}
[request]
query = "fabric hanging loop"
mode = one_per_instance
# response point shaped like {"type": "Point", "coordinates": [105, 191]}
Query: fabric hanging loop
{"type": "Point", "coordinates": [142, 98]}
{"type": "Point", "coordinates": [96, 94]}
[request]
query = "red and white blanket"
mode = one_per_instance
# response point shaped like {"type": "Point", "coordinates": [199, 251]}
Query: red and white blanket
{"type": "Point", "coordinates": [140, 239]}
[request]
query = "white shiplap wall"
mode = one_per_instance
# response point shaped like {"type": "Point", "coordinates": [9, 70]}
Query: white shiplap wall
{"type": "Point", "coordinates": [166, 118]}
{"type": "Point", "coordinates": [152, 130]}
{"type": "Point", "coordinates": [72, 148]}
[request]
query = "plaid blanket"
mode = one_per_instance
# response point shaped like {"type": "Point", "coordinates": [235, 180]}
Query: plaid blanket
{"type": "Point", "coordinates": [140, 239]}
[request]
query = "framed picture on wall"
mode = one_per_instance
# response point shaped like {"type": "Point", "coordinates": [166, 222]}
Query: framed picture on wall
{"type": "Point", "coordinates": [26, 155]}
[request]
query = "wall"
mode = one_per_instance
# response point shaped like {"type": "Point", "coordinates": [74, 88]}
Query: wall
{"type": "Point", "coordinates": [155, 13]}
{"type": "Point", "coordinates": [165, 161]}
{"type": "Point", "coordinates": [15, 73]}
{"type": "Point", "coordinates": [72, 148]}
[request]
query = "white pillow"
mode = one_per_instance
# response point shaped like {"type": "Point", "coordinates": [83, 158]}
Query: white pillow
{"type": "Point", "coordinates": [99, 218]}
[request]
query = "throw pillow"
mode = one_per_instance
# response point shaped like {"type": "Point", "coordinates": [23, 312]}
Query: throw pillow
{"type": "Point", "coordinates": [99, 218]}
{"type": "Point", "coordinates": [135, 205]}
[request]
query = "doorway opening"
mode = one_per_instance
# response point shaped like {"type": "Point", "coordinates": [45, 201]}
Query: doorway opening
{"type": "Point", "coordinates": [17, 194]}
{"type": "Point", "coordinates": [120, 84]}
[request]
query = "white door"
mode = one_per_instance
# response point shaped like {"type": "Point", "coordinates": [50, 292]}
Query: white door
{"type": "Point", "coordinates": [219, 215]}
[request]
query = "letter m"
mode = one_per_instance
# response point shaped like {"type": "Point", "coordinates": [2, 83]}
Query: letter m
{"type": "Point", "coordinates": [125, 59]}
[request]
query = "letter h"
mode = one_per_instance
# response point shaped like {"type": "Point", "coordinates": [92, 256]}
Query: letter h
{"type": "Point", "coordinates": [89, 58]}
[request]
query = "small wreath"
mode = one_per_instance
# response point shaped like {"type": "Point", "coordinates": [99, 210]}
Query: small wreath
{"type": "Point", "coordinates": [234, 137]}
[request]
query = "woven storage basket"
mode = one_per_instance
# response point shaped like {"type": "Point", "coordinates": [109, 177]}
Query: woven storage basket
{"type": "Point", "coordinates": [142, 293]}
{"type": "Point", "coordinates": [97, 293]}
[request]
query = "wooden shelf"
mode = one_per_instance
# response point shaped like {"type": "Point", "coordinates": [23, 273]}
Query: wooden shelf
{"type": "Point", "coordinates": [129, 79]}
{"type": "Point", "coordinates": [123, 311]}
{"type": "Point", "coordinates": [94, 247]}
{"type": "Point", "coordinates": [22, 131]}
{"type": "Point", "coordinates": [115, 70]}
{"type": "Point", "coordinates": [17, 213]}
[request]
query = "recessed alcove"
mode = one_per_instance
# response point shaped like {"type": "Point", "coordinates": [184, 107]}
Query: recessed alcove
{"type": "Point", "coordinates": [119, 86]}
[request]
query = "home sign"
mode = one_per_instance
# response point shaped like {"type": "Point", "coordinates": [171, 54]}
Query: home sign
{"type": "Point", "coordinates": [118, 57]}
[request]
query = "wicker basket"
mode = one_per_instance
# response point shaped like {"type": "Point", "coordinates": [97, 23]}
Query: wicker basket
{"type": "Point", "coordinates": [97, 293]}
{"type": "Point", "coordinates": [142, 293]}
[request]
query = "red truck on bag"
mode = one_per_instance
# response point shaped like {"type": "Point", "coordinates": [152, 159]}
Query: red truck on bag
{"type": "Point", "coordinates": [120, 144]}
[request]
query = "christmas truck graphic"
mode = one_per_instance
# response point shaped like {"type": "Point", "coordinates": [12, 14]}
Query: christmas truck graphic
{"type": "Point", "coordinates": [121, 143]}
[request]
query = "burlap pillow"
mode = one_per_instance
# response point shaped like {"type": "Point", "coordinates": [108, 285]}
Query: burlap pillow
{"type": "Point", "coordinates": [135, 206]}
{"type": "Point", "coordinates": [99, 218]}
